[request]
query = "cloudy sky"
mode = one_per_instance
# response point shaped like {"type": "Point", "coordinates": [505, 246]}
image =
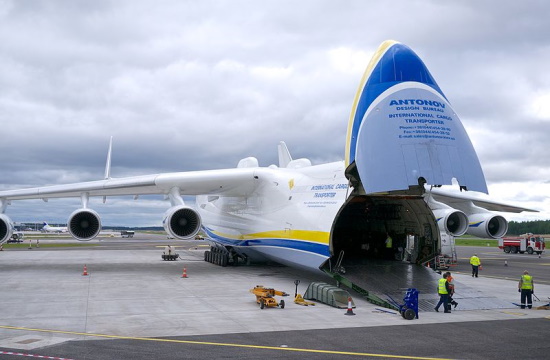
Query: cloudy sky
{"type": "Point", "coordinates": [191, 85]}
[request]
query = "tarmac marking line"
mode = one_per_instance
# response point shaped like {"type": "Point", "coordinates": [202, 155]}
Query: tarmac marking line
{"type": "Point", "coordinates": [514, 313]}
{"type": "Point", "coordinates": [222, 344]}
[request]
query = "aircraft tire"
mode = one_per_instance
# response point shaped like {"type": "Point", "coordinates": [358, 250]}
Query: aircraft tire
{"type": "Point", "coordinates": [225, 260]}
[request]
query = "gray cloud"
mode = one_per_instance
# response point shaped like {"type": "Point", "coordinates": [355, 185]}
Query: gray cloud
{"type": "Point", "coordinates": [187, 85]}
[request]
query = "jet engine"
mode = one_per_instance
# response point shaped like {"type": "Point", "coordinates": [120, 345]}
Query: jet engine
{"type": "Point", "coordinates": [487, 225]}
{"type": "Point", "coordinates": [451, 221]}
{"type": "Point", "coordinates": [84, 224]}
{"type": "Point", "coordinates": [182, 222]}
{"type": "Point", "coordinates": [6, 228]}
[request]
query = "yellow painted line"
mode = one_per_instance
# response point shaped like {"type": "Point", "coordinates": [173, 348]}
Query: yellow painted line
{"type": "Point", "coordinates": [514, 313]}
{"type": "Point", "coordinates": [220, 344]}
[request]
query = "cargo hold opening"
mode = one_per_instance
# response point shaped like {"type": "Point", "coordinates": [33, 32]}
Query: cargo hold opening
{"type": "Point", "coordinates": [364, 222]}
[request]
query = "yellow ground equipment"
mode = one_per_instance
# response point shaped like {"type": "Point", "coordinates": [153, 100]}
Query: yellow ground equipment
{"type": "Point", "coordinates": [265, 296]}
{"type": "Point", "coordinates": [300, 301]}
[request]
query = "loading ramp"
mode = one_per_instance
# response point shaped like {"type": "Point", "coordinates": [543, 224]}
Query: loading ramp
{"type": "Point", "coordinates": [383, 283]}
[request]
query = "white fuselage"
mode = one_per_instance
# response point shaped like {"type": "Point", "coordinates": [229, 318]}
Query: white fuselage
{"type": "Point", "coordinates": [286, 218]}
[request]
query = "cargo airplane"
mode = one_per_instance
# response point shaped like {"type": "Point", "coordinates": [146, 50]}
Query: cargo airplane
{"type": "Point", "coordinates": [404, 145]}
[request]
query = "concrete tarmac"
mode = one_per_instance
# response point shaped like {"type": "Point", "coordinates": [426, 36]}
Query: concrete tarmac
{"type": "Point", "coordinates": [133, 305]}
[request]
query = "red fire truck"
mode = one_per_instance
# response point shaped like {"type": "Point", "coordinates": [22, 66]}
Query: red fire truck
{"type": "Point", "coordinates": [520, 244]}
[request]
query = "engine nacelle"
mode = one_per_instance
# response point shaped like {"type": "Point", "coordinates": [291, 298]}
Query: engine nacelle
{"type": "Point", "coordinates": [487, 225]}
{"type": "Point", "coordinates": [453, 222]}
{"type": "Point", "coordinates": [84, 224]}
{"type": "Point", "coordinates": [182, 222]}
{"type": "Point", "coordinates": [6, 228]}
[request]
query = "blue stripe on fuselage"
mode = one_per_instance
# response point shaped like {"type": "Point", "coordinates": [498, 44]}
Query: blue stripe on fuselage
{"type": "Point", "coordinates": [294, 244]}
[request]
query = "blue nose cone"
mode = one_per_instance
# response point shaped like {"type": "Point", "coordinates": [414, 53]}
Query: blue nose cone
{"type": "Point", "coordinates": [399, 64]}
{"type": "Point", "coordinates": [402, 128]}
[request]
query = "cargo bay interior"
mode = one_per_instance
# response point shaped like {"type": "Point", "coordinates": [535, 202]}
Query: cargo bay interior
{"type": "Point", "coordinates": [364, 223]}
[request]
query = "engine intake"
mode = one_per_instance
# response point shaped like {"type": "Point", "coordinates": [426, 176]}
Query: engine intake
{"type": "Point", "coordinates": [6, 228]}
{"type": "Point", "coordinates": [451, 221]}
{"type": "Point", "coordinates": [182, 222]}
{"type": "Point", "coordinates": [84, 224]}
{"type": "Point", "coordinates": [487, 225]}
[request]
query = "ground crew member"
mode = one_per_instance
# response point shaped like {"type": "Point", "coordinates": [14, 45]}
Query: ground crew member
{"type": "Point", "coordinates": [527, 288]}
{"type": "Point", "coordinates": [451, 289]}
{"type": "Point", "coordinates": [443, 291]}
{"type": "Point", "coordinates": [389, 247]}
{"type": "Point", "coordinates": [476, 263]}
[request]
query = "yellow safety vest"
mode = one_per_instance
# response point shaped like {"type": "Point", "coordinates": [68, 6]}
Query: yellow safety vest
{"type": "Point", "coordinates": [389, 242]}
{"type": "Point", "coordinates": [527, 282]}
{"type": "Point", "coordinates": [474, 260]}
{"type": "Point", "coordinates": [442, 289]}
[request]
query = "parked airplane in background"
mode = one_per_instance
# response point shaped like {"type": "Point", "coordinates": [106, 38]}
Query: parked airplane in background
{"type": "Point", "coordinates": [54, 229]}
{"type": "Point", "coordinates": [404, 142]}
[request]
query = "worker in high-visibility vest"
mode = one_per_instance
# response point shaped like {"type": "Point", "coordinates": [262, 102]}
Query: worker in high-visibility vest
{"type": "Point", "coordinates": [527, 287]}
{"type": "Point", "coordinates": [443, 290]}
{"type": "Point", "coordinates": [476, 263]}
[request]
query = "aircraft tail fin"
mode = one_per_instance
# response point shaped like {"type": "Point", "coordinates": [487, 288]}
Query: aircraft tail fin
{"type": "Point", "coordinates": [284, 155]}
{"type": "Point", "coordinates": [403, 131]}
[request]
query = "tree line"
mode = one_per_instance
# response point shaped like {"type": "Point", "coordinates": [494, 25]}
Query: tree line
{"type": "Point", "coordinates": [535, 227]}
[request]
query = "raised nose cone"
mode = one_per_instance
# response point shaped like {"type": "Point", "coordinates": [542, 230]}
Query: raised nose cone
{"type": "Point", "coordinates": [399, 63]}
{"type": "Point", "coordinates": [402, 128]}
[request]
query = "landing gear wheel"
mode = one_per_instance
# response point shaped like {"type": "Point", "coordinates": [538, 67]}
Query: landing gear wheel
{"type": "Point", "coordinates": [225, 260]}
{"type": "Point", "coordinates": [409, 314]}
{"type": "Point", "coordinates": [282, 304]}
{"type": "Point", "coordinates": [262, 303]}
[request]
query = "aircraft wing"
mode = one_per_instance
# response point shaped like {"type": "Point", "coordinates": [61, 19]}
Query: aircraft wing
{"type": "Point", "coordinates": [238, 181]}
{"type": "Point", "coordinates": [456, 200]}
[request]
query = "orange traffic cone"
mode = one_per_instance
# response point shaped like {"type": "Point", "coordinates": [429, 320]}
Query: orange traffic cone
{"type": "Point", "coordinates": [184, 273]}
{"type": "Point", "coordinates": [350, 308]}
{"type": "Point", "coordinates": [85, 273]}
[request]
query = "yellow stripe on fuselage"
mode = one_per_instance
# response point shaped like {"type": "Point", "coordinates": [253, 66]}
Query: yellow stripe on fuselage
{"type": "Point", "coordinates": [375, 58]}
{"type": "Point", "coordinates": [321, 237]}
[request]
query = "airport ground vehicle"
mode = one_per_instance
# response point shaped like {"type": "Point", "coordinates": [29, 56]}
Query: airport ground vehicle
{"type": "Point", "coordinates": [525, 242]}
{"type": "Point", "coordinates": [16, 238]}
{"type": "Point", "coordinates": [265, 296]}
{"type": "Point", "coordinates": [127, 233]}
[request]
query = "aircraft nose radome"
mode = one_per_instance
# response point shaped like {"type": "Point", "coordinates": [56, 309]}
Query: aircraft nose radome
{"type": "Point", "coordinates": [391, 64]}
{"type": "Point", "coordinates": [398, 64]}
{"type": "Point", "coordinates": [402, 128]}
